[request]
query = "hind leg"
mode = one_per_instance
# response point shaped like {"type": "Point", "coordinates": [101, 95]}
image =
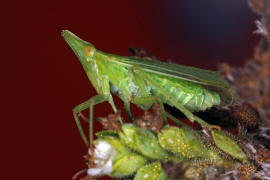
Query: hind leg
{"type": "Point", "coordinates": [176, 104]}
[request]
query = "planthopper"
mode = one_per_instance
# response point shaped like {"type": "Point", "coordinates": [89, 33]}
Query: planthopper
{"type": "Point", "coordinates": [144, 82]}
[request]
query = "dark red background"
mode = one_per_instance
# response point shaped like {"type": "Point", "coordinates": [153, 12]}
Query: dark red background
{"type": "Point", "coordinates": [42, 80]}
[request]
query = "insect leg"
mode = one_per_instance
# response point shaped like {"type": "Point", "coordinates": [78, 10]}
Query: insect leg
{"type": "Point", "coordinates": [88, 104]}
{"type": "Point", "coordinates": [105, 89]}
{"type": "Point", "coordinates": [172, 100]}
{"type": "Point", "coordinates": [127, 109]}
{"type": "Point", "coordinates": [111, 102]}
{"type": "Point", "coordinates": [174, 119]}
{"type": "Point", "coordinates": [151, 100]}
{"type": "Point", "coordinates": [75, 111]}
{"type": "Point", "coordinates": [146, 97]}
{"type": "Point", "coordinates": [93, 101]}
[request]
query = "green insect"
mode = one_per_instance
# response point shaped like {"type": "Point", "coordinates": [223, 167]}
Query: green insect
{"type": "Point", "coordinates": [144, 82]}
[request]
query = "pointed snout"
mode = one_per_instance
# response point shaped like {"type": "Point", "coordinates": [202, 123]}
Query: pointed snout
{"type": "Point", "coordinates": [83, 49]}
{"type": "Point", "coordinates": [73, 41]}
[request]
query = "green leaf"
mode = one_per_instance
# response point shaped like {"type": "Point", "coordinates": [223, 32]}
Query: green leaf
{"type": "Point", "coordinates": [127, 165]}
{"type": "Point", "coordinates": [228, 145]}
{"type": "Point", "coordinates": [148, 145]}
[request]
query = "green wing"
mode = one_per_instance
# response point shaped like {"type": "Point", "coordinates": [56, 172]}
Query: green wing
{"type": "Point", "coordinates": [209, 79]}
{"type": "Point", "coordinates": [200, 76]}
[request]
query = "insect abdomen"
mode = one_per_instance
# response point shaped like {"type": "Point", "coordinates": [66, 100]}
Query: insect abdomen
{"type": "Point", "coordinates": [193, 96]}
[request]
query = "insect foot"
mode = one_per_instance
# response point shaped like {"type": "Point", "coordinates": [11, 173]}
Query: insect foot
{"type": "Point", "coordinates": [225, 144]}
{"type": "Point", "coordinates": [214, 127]}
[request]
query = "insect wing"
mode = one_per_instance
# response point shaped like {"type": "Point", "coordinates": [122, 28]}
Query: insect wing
{"type": "Point", "coordinates": [200, 76]}
{"type": "Point", "coordinates": [209, 79]}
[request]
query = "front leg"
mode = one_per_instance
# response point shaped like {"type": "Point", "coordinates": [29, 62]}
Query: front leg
{"type": "Point", "coordinates": [104, 95]}
{"type": "Point", "coordinates": [88, 104]}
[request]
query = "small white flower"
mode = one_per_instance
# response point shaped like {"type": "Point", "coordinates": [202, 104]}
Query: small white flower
{"type": "Point", "coordinates": [104, 156]}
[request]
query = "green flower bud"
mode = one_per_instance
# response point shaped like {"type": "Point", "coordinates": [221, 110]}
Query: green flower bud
{"type": "Point", "coordinates": [183, 142]}
{"type": "Point", "coordinates": [143, 141]}
{"type": "Point", "coordinates": [228, 145]}
{"type": "Point", "coordinates": [128, 136]}
{"type": "Point", "coordinates": [150, 172]}
{"type": "Point", "coordinates": [127, 165]}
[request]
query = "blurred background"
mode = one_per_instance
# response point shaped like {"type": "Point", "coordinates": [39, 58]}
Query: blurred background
{"type": "Point", "coordinates": [42, 79]}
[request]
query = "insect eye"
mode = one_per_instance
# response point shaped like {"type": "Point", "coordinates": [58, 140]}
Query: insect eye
{"type": "Point", "coordinates": [88, 50]}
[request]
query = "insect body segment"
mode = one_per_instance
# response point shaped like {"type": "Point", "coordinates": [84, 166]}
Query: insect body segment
{"type": "Point", "coordinates": [143, 82]}
{"type": "Point", "coordinates": [191, 95]}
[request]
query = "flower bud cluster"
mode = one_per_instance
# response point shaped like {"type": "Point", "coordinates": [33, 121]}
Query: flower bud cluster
{"type": "Point", "coordinates": [139, 152]}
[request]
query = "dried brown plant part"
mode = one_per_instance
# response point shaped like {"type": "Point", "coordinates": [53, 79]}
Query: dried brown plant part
{"type": "Point", "coordinates": [248, 147]}
{"type": "Point", "coordinates": [263, 155]}
{"type": "Point", "coordinates": [259, 6]}
{"type": "Point", "coordinates": [158, 116]}
{"type": "Point", "coordinates": [87, 177]}
{"type": "Point", "coordinates": [246, 172]}
{"type": "Point", "coordinates": [252, 82]}
{"type": "Point", "coordinates": [77, 174]}
{"type": "Point", "coordinates": [87, 159]}
{"type": "Point", "coordinates": [262, 57]}
{"type": "Point", "coordinates": [146, 120]}
{"type": "Point", "coordinates": [259, 156]}
{"type": "Point", "coordinates": [226, 71]}
{"type": "Point", "coordinates": [81, 115]}
{"type": "Point", "coordinates": [203, 169]}
{"type": "Point", "coordinates": [241, 172]}
{"type": "Point", "coordinates": [173, 170]}
{"type": "Point", "coordinates": [262, 8]}
{"type": "Point", "coordinates": [262, 135]}
{"type": "Point", "coordinates": [111, 122]}
{"type": "Point", "coordinates": [245, 115]}
{"type": "Point", "coordinates": [152, 121]}
{"type": "Point", "coordinates": [262, 53]}
{"type": "Point", "coordinates": [262, 29]}
{"type": "Point", "coordinates": [256, 151]}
